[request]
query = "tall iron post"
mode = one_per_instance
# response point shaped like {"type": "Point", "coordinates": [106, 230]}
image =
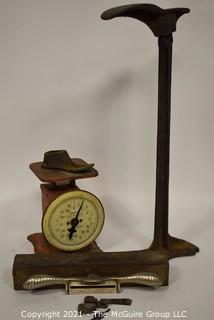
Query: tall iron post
{"type": "Point", "coordinates": [162, 23]}
{"type": "Point", "coordinates": [163, 142]}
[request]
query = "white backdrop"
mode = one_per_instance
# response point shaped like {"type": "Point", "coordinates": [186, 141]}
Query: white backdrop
{"type": "Point", "coordinates": [72, 81]}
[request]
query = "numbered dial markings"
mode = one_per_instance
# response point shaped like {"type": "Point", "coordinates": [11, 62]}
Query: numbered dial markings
{"type": "Point", "coordinates": [73, 220]}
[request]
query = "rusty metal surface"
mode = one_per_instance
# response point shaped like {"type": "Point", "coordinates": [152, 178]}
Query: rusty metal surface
{"type": "Point", "coordinates": [162, 22]}
{"type": "Point", "coordinates": [52, 176]}
{"type": "Point", "coordinates": [41, 245]}
{"type": "Point", "coordinates": [100, 263]}
{"type": "Point", "coordinates": [51, 192]}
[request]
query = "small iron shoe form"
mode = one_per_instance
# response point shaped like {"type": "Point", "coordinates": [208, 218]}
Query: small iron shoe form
{"type": "Point", "coordinates": [60, 160]}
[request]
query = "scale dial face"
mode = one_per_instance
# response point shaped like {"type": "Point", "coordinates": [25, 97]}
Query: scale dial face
{"type": "Point", "coordinates": [73, 220]}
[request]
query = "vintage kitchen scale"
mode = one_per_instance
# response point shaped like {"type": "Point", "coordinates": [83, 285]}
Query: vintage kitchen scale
{"type": "Point", "coordinates": [66, 252]}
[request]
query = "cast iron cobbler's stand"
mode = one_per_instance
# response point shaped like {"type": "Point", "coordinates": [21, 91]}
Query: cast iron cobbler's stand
{"type": "Point", "coordinates": [163, 24]}
{"type": "Point", "coordinates": [92, 260]}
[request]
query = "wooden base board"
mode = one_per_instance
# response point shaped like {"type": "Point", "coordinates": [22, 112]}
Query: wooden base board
{"type": "Point", "coordinates": [99, 263]}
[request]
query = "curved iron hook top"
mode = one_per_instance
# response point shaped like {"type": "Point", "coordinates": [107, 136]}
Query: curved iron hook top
{"type": "Point", "coordinates": [161, 21]}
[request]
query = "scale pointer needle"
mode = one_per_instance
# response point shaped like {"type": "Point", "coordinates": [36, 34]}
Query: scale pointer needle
{"type": "Point", "coordinates": [75, 222]}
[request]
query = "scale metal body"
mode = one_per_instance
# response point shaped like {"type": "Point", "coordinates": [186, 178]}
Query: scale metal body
{"type": "Point", "coordinates": [66, 252]}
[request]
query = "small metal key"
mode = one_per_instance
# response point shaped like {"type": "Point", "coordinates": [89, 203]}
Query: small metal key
{"type": "Point", "coordinates": [102, 303]}
{"type": "Point", "coordinates": [90, 307]}
{"type": "Point", "coordinates": [122, 301]}
{"type": "Point", "coordinates": [91, 304]}
{"type": "Point", "coordinates": [87, 308]}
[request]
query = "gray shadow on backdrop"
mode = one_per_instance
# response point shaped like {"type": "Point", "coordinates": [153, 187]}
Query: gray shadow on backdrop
{"type": "Point", "coordinates": [200, 226]}
{"type": "Point", "coordinates": [122, 223]}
